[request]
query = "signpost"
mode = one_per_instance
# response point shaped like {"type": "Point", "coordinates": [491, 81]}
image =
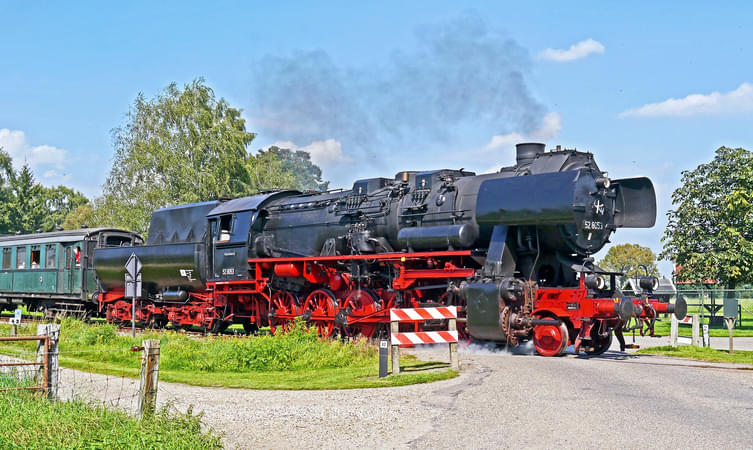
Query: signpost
{"type": "Point", "coordinates": [384, 351]}
{"type": "Point", "coordinates": [15, 321]}
{"type": "Point", "coordinates": [133, 286]}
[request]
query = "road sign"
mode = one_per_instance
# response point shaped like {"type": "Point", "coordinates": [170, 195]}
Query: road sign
{"type": "Point", "coordinates": [133, 287]}
{"type": "Point", "coordinates": [133, 266]}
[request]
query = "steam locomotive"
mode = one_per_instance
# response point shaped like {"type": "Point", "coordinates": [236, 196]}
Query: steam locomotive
{"type": "Point", "coordinates": [511, 249]}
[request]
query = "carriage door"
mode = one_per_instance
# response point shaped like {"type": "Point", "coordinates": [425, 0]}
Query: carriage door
{"type": "Point", "coordinates": [68, 271]}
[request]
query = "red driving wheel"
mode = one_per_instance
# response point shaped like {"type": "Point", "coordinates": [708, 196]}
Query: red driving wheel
{"type": "Point", "coordinates": [283, 303]}
{"type": "Point", "coordinates": [361, 304]}
{"type": "Point", "coordinates": [321, 305]}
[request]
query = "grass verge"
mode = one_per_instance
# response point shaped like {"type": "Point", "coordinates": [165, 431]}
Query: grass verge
{"type": "Point", "coordinates": [702, 354]}
{"type": "Point", "coordinates": [294, 360]}
{"type": "Point", "coordinates": [29, 420]}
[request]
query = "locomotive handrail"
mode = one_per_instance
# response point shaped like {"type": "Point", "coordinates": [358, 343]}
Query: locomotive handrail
{"type": "Point", "coordinates": [380, 256]}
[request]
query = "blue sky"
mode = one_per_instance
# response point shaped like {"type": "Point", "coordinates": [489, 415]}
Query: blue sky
{"type": "Point", "coordinates": [386, 82]}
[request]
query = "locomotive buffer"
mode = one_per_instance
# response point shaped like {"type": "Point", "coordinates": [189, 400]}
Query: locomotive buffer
{"type": "Point", "coordinates": [133, 286]}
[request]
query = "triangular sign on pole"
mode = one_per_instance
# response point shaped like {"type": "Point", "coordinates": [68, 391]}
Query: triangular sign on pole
{"type": "Point", "coordinates": [133, 266]}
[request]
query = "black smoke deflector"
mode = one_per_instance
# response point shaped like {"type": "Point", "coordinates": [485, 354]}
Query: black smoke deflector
{"type": "Point", "coordinates": [636, 203]}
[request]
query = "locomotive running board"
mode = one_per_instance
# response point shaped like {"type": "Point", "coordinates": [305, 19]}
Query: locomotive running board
{"type": "Point", "coordinates": [376, 256]}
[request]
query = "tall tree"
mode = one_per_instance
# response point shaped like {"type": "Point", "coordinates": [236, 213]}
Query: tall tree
{"type": "Point", "coordinates": [710, 230]}
{"type": "Point", "coordinates": [282, 168]}
{"type": "Point", "coordinates": [628, 259]}
{"type": "Point", "coordinates": [182, 146]}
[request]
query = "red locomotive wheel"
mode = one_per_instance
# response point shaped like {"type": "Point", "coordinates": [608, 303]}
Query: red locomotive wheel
{"type": "Point", "coordinates": [361, 303]}
{"type": "Point", "coordinates": [321, 305]}
{"type": "Point", "coordinates": [283, 303]}
{"type": "Point", "coordinates": [550, 340]}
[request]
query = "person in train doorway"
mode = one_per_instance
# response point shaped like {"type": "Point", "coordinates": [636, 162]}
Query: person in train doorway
{"type": "Point", "coordinates": [77, 255]}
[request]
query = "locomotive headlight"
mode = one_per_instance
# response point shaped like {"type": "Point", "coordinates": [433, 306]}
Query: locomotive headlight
{"type": "Point", "coordinates": [603, 183]}
{"type": "Point", "coordinates": [595, 282]}
{"type": "Point", "coordinates": [649, 283]}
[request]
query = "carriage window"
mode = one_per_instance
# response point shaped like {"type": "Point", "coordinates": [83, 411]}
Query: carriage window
{"type": "Point", "coordinates": [6, 258]}
{"type": "Point", "coordinates": [20, 257]}
{"type": "Point", "coordinates": [50, 256]}
{"type": "Point", "coordinates": [226, 223]}
{"type": "Point", "coordinates": [36, 256]}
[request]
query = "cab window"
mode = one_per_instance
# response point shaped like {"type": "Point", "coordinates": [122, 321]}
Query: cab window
{"type": "Point", "coordinates": [6, 258]}
{"type": "Point", "coordinates": [36, 256]}
{"type": "Point", "coordinates": [226, 226]}
{"type": "Point", "coordinates": [20, 257]}
{"type": "Point", "coordinates": [50, 256]}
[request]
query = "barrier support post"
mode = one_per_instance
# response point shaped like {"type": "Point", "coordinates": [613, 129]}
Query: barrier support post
{"type": "Point", "coordinates": [454, 361]}
{"type": "Point", "coordinates": [673, 331]}
{"type": "Point", "coordinates": [696, 331]}
{"type": "Point", "coordinates": [395, 328]}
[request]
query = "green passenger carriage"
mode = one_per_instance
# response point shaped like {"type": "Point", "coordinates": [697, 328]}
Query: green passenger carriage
{"type": "Point", "coordinates": [53, 272]}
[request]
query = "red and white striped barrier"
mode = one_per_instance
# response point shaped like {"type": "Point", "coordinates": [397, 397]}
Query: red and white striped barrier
{"type": "Point", "coordinates": [425, 337]}
{"type": "Point", "coordinates": [450, 336]}
{"type": "Point", "coordinates": [418, 314]}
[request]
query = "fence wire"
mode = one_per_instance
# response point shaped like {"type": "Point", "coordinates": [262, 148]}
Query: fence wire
{"type": "Point", "coordinates": [119, 389]}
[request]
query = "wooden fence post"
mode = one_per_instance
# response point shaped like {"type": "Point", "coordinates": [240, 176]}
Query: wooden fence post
{"type": "Point", "coordinates": [454, 361]}
{"type": "Point", "coordinates": [48, 354]}
{"type": "Point", "coordinates": [395, 328]}
{"type": "Point", "coordinates": [673, 330]}
{"type": "Point", "coordinates": [696, 331]}
{"type": "Point", "coordinates": [149, 377]}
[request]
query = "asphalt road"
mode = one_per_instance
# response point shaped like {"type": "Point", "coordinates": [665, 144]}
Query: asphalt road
{"type": "Point", "coordinates": [612, 401]}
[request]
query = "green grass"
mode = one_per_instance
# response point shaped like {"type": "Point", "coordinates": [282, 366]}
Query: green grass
{"type": "Point", "coordinates": [29, 420]}
{"type": "Point", "coordinates": [294, 360]}
{"type": "Point", "coordinates": [702, 354]}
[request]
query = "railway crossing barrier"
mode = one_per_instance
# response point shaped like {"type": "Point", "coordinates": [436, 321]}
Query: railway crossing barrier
{"type": "Point", "coordinates": [398, 338]}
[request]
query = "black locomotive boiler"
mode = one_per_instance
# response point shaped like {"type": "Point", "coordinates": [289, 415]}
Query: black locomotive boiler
{"type": "Point", "coordinates": [511, 249]}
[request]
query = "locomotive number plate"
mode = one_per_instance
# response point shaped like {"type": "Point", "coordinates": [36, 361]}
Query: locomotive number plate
{"type": "Point", "coordinates": [572, 306]}
{"type": "Point", "coordinates": [592, 225]}
{"type": "Point", "coordinates": [228, 270]}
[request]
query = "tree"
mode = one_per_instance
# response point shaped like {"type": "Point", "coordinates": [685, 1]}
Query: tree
{"type": "Point", "coordinates": [82, 216]}
{"type": "Point", "coordinates": [710, 230]}
{"type": "Point", "coordinates": [27, 206]}
{"type": "Point", "coordinates": [59, 202]}
{"type": "Point", "coordinates": [281, 168]}
{"type": "Point", "coordinates": [628, 259]}
{"type": "Point", "coordinates": [183, 146]}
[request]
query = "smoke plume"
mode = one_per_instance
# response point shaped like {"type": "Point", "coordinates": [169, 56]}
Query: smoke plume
{"type": "Point", "coordinates": [459, 75]}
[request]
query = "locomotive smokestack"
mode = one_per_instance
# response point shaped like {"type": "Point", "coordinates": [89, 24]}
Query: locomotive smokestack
{"type": "Point", "coordinates": [525, 152]}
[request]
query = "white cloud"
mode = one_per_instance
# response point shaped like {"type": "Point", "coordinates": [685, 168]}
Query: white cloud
{"type": "Point", "coordinates": [576, 51]}
{"type": "Point", "coordinates": [39, 157]}
{"type": "Point", "coordinates": [323, 153]}
{"type": "Point", "coordinates": [733, 102]}
{"type": "Point", "coordinates": [551, 126]}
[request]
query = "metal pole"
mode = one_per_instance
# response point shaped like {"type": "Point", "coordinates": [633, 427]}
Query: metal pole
{"type": "Point", "coordinates": [133, 316]}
